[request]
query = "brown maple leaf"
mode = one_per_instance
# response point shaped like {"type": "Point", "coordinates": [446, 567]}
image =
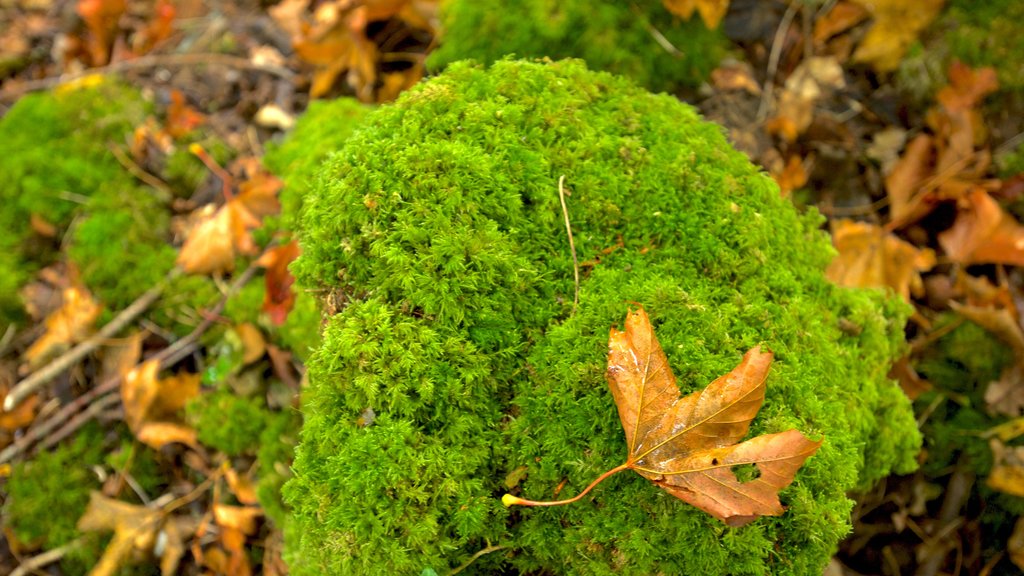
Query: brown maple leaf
{"type": "Point", "coordinates": [687, 446]}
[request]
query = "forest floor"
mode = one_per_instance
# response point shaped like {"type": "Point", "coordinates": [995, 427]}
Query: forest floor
{"type": "Point", "coordinates": [903, 124]}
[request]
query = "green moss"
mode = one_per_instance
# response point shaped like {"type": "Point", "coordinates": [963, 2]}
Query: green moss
{"type": "Point", "coordinates": [276, 450]}
{"type": "Point", "coordinates": [439, 224]}
{"type": "Point", "coordinates": [121, 245]}
{"type": "Point", "coordinates": [47, 495]}
{"type": "Point", "coordinates": [54, 154]}
{"type": "Point", "coordinates": [228, 422]}
{"type": "Point", "coordinates": [619, 37]}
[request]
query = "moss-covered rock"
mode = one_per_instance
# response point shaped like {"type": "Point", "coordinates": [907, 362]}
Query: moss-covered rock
{"type": "Point", "coordinates": [638, 39]}
{"type": "Point", "coordinates": [440, 225]}
{"type": "Point", "coordinates": [55, 154]}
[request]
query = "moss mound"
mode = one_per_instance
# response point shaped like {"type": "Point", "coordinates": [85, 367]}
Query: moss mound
{"type": "Point", "coordinates": [54, 154]}
{"type": "Point", "coordinates": [439, 224]}
{"type": "Point", "coordinates": [619, 37]}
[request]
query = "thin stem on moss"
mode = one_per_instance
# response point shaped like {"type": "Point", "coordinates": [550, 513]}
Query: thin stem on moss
{"type": "Point", "coordinates": [510, 500]}
{"type": "Point", "coordinates": [572, 246]}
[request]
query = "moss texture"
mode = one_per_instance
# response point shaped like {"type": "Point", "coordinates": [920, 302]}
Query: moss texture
{"type": "Point", "coordinates": [54, 154]}
{"type": "Point", "coordinates": [47, 496]}
{"type": "Point", "coordinates": [440, 225]}
{"type": "Point", "coordinates": [609, 35]}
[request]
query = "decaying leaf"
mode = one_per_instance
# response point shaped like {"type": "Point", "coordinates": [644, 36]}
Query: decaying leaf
{"type": "Point", "coordinates": [68, 325]}
{"type": "Point", "coordinates": [100, 17]}
{"type": "Point", "coordinates": [983, 233]}
{"type": "Point", "coordinates": [335, 40]}
{"type": "Point", "coordinates": [1006, 395]}
{"type": "Point", "coordinates": [151, 405]}
{"type": "Point", "coordinates": [1015, 545]}
{"type": "Point", "coordinates": [897, 23]}
{"type": "Point", "coordinates": [689, 446]}
{"type": "Point", "coordinates": [813, 79]}
{"type": "Point", "coordinates": [136, 529]}
{"type": "Point", "coordinates": [871, 257]}
{"type": "Point", "coordinates": [279, 297]}
{"type": "Point", "coordinates": [1007, 474]}
{"type": "Point", "coordinates": [711, 11]}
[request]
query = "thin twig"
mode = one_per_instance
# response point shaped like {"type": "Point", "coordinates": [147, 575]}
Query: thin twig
{"type": "Point", "coordinates": [7, 338]}
{"type": "Point", "coordinates": [475, 557]}
{"type": "Point", "coordinates": [151, 61]}
{"type": "Point", "coordinates": [132, 167]}
{"type": "Point", "coordinates": [36, 562]}
{"type": "Point", "coordinates": [572, 246]}
{"type": "Point", "coordinates": [655, 33]}
{"type": "Point", "coordinates": [167, 357]}
{"type": "Point", "coordinates": [41, 377]}
{"type": "Point", "coordinates": [773, 60]}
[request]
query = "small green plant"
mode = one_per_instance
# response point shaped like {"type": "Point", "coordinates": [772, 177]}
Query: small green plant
{"type": "Point", "coordinates": [462, 365]}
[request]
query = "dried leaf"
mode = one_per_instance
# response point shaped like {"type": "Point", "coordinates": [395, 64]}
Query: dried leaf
{"type": "Point", "coordinates": [241, 486]}
{"type": "Point", "coordinates": [908, 202]}
{"type": "Point", "coordinates": [983, 233]}
{"type": "Point", "coordinates": [896, 26]}
{"type": "Point", "coordinates": [967, 87]}
{"type": "Point", "coordinates": [134, 528]}
{"type": "Point", "coordinates": [688, 446]}
{"type": "Point", "coordinates": [813, 79]}
{"type": "Point", "coordinates": [279, 297]}
{"type": "Point", "coordinates": [843, 16]}
{"type": "Point", "coordinates": [1015, 545]}
{"type": "Point", "coordinates": [1006, 395]}
{"type": "Point", "coordinates": [100, 17]}
{"type": "Point", "coordinates": [151, 405]}
{"type": "Point", "coordinates": [220, 235]}
{"type": "Point", "coordinates": [182, 118]}
{"type": "Point", "coordinates": [68, 325]}
{"type": "Point", "coordinates": [1007, 473]}
{"type": "Point", "coordinates": [711, 11]}
{"type": "Point", "coordinates": [254, 346]}
{"type": "Point", "coordinates": [871, 257]}
{"type": "Point", "coordinates": [241, 518]}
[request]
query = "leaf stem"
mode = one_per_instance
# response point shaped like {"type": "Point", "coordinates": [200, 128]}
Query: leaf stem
{"type": "Point", "coordinates": [509, 500]}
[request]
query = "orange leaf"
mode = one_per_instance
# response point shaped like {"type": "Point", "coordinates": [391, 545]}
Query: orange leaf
{"type": "Point", "coordinates": [279, 297]}
{"type": "Point", "coordinates": [983, 233]}
{"type": "Point", "coordinates": [688, 446]}
{"type": "Point", "coordinates": [711, 11]}
{"type": "Point", "coordinates": [100, 17]}
{"type": "Point", "coordinates": [903, 185]}
{"type": "Point", "coordinates": [182, 118]}
{"type": "Point", "coordinates": [220, 235]}
{"type": "Point", "coordinates": [871, 257]}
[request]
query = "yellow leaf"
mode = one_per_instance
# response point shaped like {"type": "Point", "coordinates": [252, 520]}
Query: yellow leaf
{"type": "Point", "coordinates": [711, 11]}
{"type": "Point", "coordinates": [68, 325]}
{"type": "Point", "coordinates": [897, 23]}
